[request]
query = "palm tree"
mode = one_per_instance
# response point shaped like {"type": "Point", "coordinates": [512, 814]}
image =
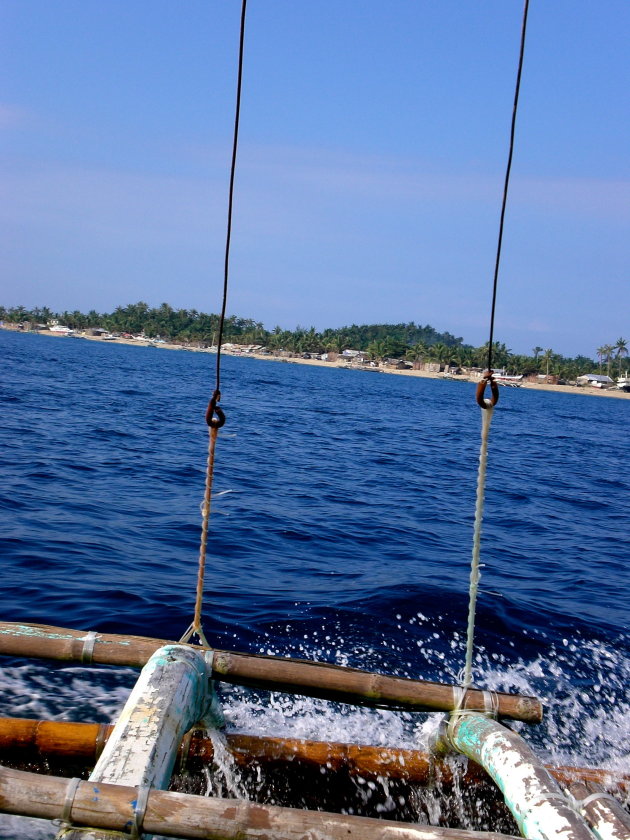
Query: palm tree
{"type": "Point", "coordinates": [312, 341]}
{"type": "Point", "coordinates": [417, 353]}
{"type": "Point", "coordinates": [394, 348]}
{"type": "Point", "coordinates": [622, 350]}
{"type": "Point", "coordinates": [274, 339]}
{"type": "Point", "coordinates": [601, 352]}
{"type": "Point", "coordinates": [501, 354]}
{"type": "Point", "coordinates": [547, 358]}
{"type": "Point", "coordinates": [43, 314]}
{"type": "Point", "coordinates": [608, 351]}
{"type": "Point", "coordinates": [17, 314]}
{"type": "Point", "coordinates": [377, 349]}
{"type": "Point", "coordinates": [464, 357]}
{"type": "Point", "coordinates": [441, 353]}
{"type": "Point", "coordinates": [536, 351]}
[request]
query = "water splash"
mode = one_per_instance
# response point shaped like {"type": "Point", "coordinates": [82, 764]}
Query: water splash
{"type": "Point", "coordinates": [223, 778]}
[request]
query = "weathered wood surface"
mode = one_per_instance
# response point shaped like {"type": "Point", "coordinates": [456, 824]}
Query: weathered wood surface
{"type": "Point", "coordinates": [313, 679]}
{"type": "Point", "coordinates": [169, 697]}
{"type": "Point", "coordinates": [608, 819]}
{"type": "Point", "coordinates": [83, 743]}
{"type": "Point", "coordinates": [533, 796]}
{"type": "Point", "coordinates": [111, 807]}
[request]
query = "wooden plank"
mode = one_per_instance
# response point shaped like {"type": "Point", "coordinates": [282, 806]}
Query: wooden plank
{"type": "Point", "coordinates": [313, 679]}
{"type": "Point", "coordinates": [111, 807]}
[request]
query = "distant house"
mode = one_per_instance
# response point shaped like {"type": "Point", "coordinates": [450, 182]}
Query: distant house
{"type": "Point", "coordinates": [595, 380]}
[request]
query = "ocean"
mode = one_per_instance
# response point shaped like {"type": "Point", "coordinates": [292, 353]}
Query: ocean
{"type": "Point", "coordinates": [341, 531]}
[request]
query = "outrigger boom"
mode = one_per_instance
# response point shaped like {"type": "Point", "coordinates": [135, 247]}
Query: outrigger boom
{"type": "Point", "coordinates": [297, 676]}
{"type": "Point", "coordinates": [81, 744]}
{"type": "Point", "coordinates": [126, 790]}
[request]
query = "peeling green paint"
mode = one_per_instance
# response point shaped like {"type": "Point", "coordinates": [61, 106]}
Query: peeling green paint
{"type": "Point", "coordinates": [33, 632]}
{"type": "Point", "coordinates": [536, 801]}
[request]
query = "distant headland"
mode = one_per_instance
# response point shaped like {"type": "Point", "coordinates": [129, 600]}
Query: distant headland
{"type": "Point", "coordinates": [405, 348]}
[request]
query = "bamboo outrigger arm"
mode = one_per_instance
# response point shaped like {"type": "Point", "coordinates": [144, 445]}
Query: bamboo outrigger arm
{"type": "Point", "coordinates": [297, 676]}
{"type": "Point", "coordinates": [538, 804]}
{"type": "Point", "coordinates": [607, 818]}
{"type": "Point", "coordinates": [82, 743]}
{"type": "Point", "coordinates": [114, 808]}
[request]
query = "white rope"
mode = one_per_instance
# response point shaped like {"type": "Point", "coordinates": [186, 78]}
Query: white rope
{"type": "Point", "coordinates": [87, 653]}
{"type": "Point", "coordinates": [139, 811]}
{"type": "Point", "coordinates": [486, 417]}
{"type": "Point", "coordinates": [71, 791]}
{"type": "Point", "coordinates": [460, 709]}
{"type": "Point", "coordinates": [580, 804]}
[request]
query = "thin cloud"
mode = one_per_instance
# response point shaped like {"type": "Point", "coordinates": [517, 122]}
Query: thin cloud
{"type": "Point", "coordinates": [601, 198]}
{"type": "Point", "coordinates": [13, 116]}
{"type": "Point", "coordinates": [360, 177]}
{"type": "Point", "coordinates": [128, 207]}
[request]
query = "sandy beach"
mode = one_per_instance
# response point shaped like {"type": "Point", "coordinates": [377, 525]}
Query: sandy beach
{"type": "Point", "coordinates": [425, 374]}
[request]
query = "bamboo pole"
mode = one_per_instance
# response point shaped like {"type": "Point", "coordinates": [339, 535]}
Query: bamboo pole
{"type": "Point", "coordinates": [313, 679]}
{"type": "Point", "coordinates": [606, 817]}
{"type": "Point", "coordinates": [112, 807]}
{"type": "Point", "coordinates": [83, 742]}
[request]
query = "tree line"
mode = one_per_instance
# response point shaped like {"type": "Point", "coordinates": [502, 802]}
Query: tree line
{"type": "Point", "coordinates": [381, 341]}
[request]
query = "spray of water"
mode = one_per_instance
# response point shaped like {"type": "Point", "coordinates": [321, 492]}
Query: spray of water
{"type": "Point", "coordinates": [583, 683]}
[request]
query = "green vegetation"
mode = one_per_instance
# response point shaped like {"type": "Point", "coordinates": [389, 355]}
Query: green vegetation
{"type": "Point", "coordinates": [380, 341]}
{"type": "Point", "coordinates": [609, 352]}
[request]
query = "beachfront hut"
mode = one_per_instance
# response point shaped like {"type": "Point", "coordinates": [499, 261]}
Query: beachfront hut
{"type": "Point", "coordinates": [595, 380]}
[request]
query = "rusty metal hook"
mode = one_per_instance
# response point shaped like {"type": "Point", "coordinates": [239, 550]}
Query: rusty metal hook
{"type": "Point", "coordinates": [215, 408]}
{"type": "Point", "coordinates": [481, 387]}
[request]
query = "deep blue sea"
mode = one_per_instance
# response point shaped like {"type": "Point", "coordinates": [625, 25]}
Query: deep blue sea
{"type": "Point", "coordinates": [341, 531]}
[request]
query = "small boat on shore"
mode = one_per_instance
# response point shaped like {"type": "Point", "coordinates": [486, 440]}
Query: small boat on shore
{"type": "Point", "coordinates": [509, 381]}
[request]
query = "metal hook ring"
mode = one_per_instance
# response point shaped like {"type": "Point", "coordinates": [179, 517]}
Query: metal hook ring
{"type": "Point", "coordinates": [481, 387]}
{"type": "Point", "coordinates": [219, 420]}
{"type": "Point", "coordinates": [215, 408]}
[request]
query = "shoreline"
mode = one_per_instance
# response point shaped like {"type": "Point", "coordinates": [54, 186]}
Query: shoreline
{"type": "Point", "coordinates": [422, 374]}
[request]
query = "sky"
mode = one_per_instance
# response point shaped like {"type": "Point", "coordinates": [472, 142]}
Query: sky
{"type": "Point", "coordinates": [373, 144]}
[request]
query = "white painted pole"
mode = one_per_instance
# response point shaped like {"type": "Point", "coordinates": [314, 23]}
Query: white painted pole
{"type": "Point", "coordinates": [531, 793]}
{"type": "Point", "coordinates": [608, 819]}
{"type": "Point", "coordinates": [170, 696]}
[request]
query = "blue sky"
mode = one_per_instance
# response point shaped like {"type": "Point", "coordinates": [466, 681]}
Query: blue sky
{"type": "Point", "coordinates": [373, 146]}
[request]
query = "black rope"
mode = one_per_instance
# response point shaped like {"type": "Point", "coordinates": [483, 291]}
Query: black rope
{"type": "Point", "coordinates": [507, 181]}
{"type": "Point", "coordinates": [213, 407]}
